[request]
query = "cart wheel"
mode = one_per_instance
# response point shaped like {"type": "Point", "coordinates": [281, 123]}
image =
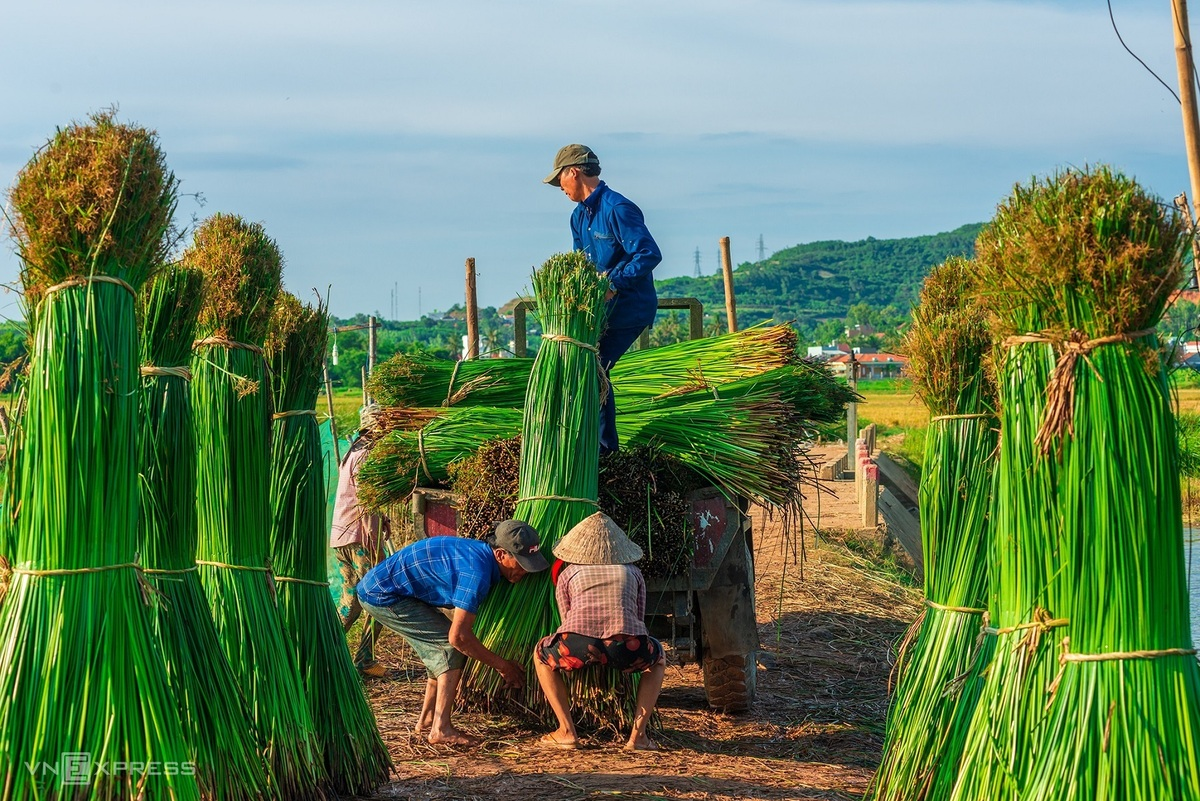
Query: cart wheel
{"type": "Point", "coordinates": [730, 682]}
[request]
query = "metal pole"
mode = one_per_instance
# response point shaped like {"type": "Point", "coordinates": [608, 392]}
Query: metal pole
{"type": "Point", "coordinates": [727, 269]}
{"type": "Point", "coordinates": [472, 314]}
{"type": "Point", "coordinates": [337, 451]}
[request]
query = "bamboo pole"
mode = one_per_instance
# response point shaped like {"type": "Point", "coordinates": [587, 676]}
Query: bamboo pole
{"type": "Point", "coordinates": [472, 314]}
{"type": "Point", "coordinates": [727, 270]}
{"type": "Point", "coordinates": [337, 451]}
{"type": "Point", "coordinates": [372, 344]}
{"type": "Point", "coordinates": [1187, 91]}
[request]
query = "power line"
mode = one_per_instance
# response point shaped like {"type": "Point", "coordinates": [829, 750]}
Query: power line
{"type": "Point", "coordinates": [1135, 55]}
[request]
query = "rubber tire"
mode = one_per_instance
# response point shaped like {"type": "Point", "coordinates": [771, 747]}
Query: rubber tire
{"type": "Point", "coordinates": [730, 682]}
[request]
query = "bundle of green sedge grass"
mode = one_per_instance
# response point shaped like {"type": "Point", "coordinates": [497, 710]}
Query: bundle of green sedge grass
{"type": "Point", "coordinates": [1080, 266]}
{"type": "Point", "coordinates": [215, 716]}
{"type": "Point", "coordinates": [559, 465]}
{"type": "Point", "coordinates": [422, 380]}
{"type": "Point", "coordinates": [232, 404]}
{"type": "Point", "coordinates": [92, 216]}
{"type": "Point", "coordinates": [355, 757]}
{"type": "Point", "coordinates": [939, 678]}
{"type": "Point", "coordinates": [747, 440]}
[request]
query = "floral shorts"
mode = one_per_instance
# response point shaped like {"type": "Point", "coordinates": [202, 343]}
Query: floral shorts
{"type": "Point", "coordinates": [626, 653]}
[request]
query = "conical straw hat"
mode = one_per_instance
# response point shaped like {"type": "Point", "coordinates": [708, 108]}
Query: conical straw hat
{"type": "Point", "coordinates": [597, 540]}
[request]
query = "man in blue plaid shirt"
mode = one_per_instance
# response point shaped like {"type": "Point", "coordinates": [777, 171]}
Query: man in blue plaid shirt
{"type": "Point", "coordinates": [429, 593]}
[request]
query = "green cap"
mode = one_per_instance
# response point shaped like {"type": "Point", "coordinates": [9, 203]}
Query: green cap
{"type": "Point", "coordinates": [570, 156]}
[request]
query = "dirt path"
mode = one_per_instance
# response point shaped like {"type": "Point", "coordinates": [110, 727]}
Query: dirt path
{"type": "Point", "coordinates": [815, 732]}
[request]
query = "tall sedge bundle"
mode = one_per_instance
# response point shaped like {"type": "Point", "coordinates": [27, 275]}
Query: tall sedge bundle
{"type": "Point", "coordinates": [423, 380]}
{"type": "Point", "coordinates": [939, 684]}
{"type": "Point", "coordinates": [216, 719]}
{"type": "Point", "coordinates": [80, 674]}
{"type": "Point", "coordinates": [8, 502]}
{"type": "Point", "coordinates": [354, 754]}
{"type": "Point", "coordinates": [1082, 265]}
{"type": "Point", "coordinates": [559, 458]}
{"type": "Point", "coordinates": [232, 410]}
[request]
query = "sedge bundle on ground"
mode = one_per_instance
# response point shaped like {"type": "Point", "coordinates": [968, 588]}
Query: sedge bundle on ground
{"type": "Point", "coordinates": [558, 471]}
{"type": "Point", "coordinates": [355, 757]}
{"type": "Point", "coordinates": [232, 404]}
{"type": "Point", "coordinates": [1082, 265]}
{"type": "Point", "coordinates": [81, 680]}
{"type": "Point", "coordinates": [939, 680]}
{"type": "Point", "coordinates": [216, 718]}
{"type": "Point", "coordinates": [421, 379]}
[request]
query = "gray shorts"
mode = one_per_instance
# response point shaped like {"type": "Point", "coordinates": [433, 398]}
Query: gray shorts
{"type": "Point", "coordinates": [426, 628]}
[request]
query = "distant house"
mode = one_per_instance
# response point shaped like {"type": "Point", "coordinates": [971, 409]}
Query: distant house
{"type": "Point", "coordinates": [828, 351]}
{"type": "Point", "coordinates": [871, 366]}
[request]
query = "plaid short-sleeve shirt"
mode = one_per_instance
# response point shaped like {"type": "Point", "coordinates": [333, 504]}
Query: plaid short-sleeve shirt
{"type": "Point", "coordinates": [602, 601]}
{"type": "Point", "coordinates": [447, 572]}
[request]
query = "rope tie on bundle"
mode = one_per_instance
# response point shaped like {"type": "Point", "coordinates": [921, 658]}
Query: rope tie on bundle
{"type": "Point", "coordinates": [1114, 656]}
{"type": "Point", "coordinates": [450, 387]}
{"type": "Point", "coordinates": [942, 417]}
{"type": "Point", "coordinates": [421, 453]}
{"type": "Point", "coordinates": [966, 610]}
{"type": "Point", "coordinates": [294, 413]}
{"type": "Point", "coordinates": [1058, 418]}
{"type": "Point", "coordinates": [223, 342]}
{"type": "Point", "coordinates": [139, 571]}
{"type": "Point", "coordinates": [266, 568]}
{"type": "Point", "coordinates": [84, 280]}
{"type": "Point", "coordinates": [176, 372]}
{"type": "Point", "coordinates": [154, 571]}
{"type": "Point", "coordinates": [1041, 624]}
{"type": "Point", "coordinates": [605, 382]}
{"type": "Point", "coordinates": [309, 582]}
{"type": "Point", "coordinates": [566, 498]}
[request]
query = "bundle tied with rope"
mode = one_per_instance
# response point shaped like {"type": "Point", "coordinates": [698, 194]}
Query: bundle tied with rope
{"type": "Point", "coordinates": [937, 674]}
{"type": "Point", "coordinates": [217, 722]}
{"type": "Point", "coordinates": [92, 219]}
{"type": "Point", "coordinates": [1113, 710]}
{"type": "Point", "coordinates": [242, 267]}
{"type": "Point", "coordinates": [353, 752]}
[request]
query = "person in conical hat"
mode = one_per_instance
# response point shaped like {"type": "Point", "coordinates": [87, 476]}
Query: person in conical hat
{"type": "Point", "coordinates": [601, 598]}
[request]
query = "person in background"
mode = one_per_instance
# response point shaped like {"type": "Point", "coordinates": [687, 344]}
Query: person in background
{"type": "Point", "coordinates": [602, 601]}
{"type": "Point", "coordinates": [611, 230]}
{"type": "Point", "coordinates": [430, 591]}
{"type": "Point", "coordinates": [356, 537]}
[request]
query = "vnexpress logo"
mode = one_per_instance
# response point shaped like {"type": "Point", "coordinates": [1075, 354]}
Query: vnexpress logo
{"type": "Point", "coordinates": [75, 767]}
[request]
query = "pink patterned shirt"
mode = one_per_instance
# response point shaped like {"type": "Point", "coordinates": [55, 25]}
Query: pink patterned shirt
{"type": "Point", "coordinates": [351, 524]}
{"type": "Point", "coordinates": [602, 601]}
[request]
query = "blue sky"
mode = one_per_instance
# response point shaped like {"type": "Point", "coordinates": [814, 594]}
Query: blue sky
{"type": "Point", "coordinates": [384, 142]}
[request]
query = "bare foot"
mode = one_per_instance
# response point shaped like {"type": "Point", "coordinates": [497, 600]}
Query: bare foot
{"type": "Point", "coordinates": [642, 744]}
{"type": "Point", "coordinates": [555, 739]}
{"type": "Point", "coordinates": [452, 737]}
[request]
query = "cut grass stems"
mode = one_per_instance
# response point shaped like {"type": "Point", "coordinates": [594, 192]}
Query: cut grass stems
{"type": "Point", "coordinates": [424, 380]}
{"type": "Point", "coordinates": [232, 406]}
{"type": "Point", "coordinates": [355, 757]}
{"type": "Point", "coordinates": [1084, 262]}
{"type": "Point", "coordinates": [92, 218]}
{"type": "Point", "coordinates": [939, 675]}
{"type": "Point", "coordinates": [215, 716]}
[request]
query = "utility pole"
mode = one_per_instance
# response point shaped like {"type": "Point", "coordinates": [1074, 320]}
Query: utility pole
{"type": "Point", "coordinates": [727, 269]}
{"type": "Point", "coordinates": [697, 262]}
{"type": "Point", "coordinates": [1187, 91]}
{"type": "Point", "coordinates": [472, 314]}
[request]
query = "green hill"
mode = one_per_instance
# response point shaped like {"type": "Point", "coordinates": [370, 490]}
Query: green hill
{"type": "Point", "coordinates": [821, 281]}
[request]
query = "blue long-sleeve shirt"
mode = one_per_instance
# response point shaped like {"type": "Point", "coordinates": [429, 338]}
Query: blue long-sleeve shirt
{"type": "Point", "coordinates": [610, 229]}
